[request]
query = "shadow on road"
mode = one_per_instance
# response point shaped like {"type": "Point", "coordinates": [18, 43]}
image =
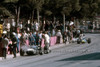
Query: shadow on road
{"type": "Point", "coordinates": [92, 56]}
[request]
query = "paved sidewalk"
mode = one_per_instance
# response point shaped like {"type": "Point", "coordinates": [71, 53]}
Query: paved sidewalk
{"type": "Point", "coordinates": [9, 56]}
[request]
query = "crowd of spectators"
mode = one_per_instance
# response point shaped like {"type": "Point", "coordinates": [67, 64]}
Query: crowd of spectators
{"type": "Point", "coordinates": [34, 32]}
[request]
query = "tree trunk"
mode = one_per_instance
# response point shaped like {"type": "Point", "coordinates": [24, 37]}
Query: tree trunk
{"type": "Point", "coordinates": [64, 21]}
{"type": "Point", "coordinates": [32, 15]}
{"type": "Point", "coordinates": [18, 15]}
{"type": "Point", "coordinates": [38, 19]}
{"type": "Point", "coordinates": [17, 10]}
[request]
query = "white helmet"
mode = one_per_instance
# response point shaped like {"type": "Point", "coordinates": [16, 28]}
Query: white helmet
{"type": "Point", "coordinates": [14, 33]}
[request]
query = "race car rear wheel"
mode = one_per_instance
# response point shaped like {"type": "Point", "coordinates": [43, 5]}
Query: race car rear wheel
{"type": "Point", "coordinates": [41, 53]}
{"type": "Point", "coordinates": [21, 52]}
{"type": "Point", "coordinates": [89, 40]}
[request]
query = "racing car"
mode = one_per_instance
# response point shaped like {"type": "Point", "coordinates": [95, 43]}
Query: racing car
{"type": "Point", "coordinates": [33, 50]}
{"type": "Point", "coordinates": [84, 40]}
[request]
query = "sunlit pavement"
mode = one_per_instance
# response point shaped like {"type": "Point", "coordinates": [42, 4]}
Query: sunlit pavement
{"type": "Point", "coordinates": [72, 55]}
{"type": "Point", "coordinates": [9, 56]}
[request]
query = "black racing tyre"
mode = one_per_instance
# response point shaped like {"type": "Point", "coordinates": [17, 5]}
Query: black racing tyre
{"type": "Point", "coordinates": [89, 40]}
{"type": "Point", "coordinates": [30, 53]}
{"type": "Point", "coordinates": [21, 52]}
{"type": "Point", "coordinates": [41, 53]}
{"type": "Point", "coordinates": [78, 41]}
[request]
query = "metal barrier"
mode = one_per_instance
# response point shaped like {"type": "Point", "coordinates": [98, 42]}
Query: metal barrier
{"type": "Point", "coordinates": [53, 41]}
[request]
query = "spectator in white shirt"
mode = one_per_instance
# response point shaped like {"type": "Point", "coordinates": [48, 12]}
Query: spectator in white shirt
{"type": "Point", "coordinates": [47, 38]}
{"type": "Point", "coordinates": [47, 41]}
{"type": "Point", "coordinates": [59, 36]}
{"type": "Point", "coordinates": [59, 33]}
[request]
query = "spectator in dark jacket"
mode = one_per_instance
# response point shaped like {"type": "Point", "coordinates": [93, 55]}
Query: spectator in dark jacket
{"type": "Point", "coordinates": [31, 39]}
{"type": "Point", "coordinates": [5, 42]}
{"type": "Point", "coordinates": [37, 39]}
{"type": "Point", "coordinates": [14, 44]}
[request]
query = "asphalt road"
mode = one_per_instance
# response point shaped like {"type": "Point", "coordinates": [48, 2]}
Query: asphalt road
{"type": "Point", "coordinates": [73, 55]}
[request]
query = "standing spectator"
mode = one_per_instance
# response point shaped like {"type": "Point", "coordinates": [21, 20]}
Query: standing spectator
{"type": "Point", "coordinates": [47, 41]}
{"type": "Point", "coordinates": [5, 42]}
{"type": "Point", "coordinates": [10, 46]}
{"type": "Point", "coordinates": [51, 26]}
{"type": "Point", "coordinates": [8, 28]}
{"type": "Point", "coordinates": [28, 26]}
{"type": "Point", "coordinates": [18, 35]}
{"type": "Point", "coordinates": [40, 36]}
{"type": "Point", "coordinates": [69, 36]}
{"type": "Point", "coordinates": [58, 27]}
{"type": "Point", "coordinates": [66, 29]}
{"type": "Point", "coordinates": [25, 35]}
{"type": "Point", "coordinates": [37, 39]}
{"type": "Point", "coordinates": [21, 26]}
{"type": "Point", "coordinates": [81, 34]}
{"type": "Point", "coordinates": [13, 25]}
{"type": "Point", "coordinates": [14, 44]}
{"type": "Point", "coordinates": [61, 28]}
{"type": "Point", "coordinates": [37, 26]}
{"type": "Point", "coordinates": [49, 33]}
{"type": "Point", "coordinates": [22, 40]}
{"type": "Point", "coordinates": [31, 39]}
{"type": "Point", "coordinates": [53, 32]}
{"type": "Point", "coordinates": [74, 33]}
{"type": "Point", "coordinates": [59, 36]}
{"type": "Point", "coordinates": [46, 26]}
{"type": "Point", "coordinates": [34, 35]}
{"type": "Point", "coordinates": [65, 37]}
{"type": "Point", "coordinates": [32, 26]}
{"type": "Point", "coordinates": [78, 32]}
